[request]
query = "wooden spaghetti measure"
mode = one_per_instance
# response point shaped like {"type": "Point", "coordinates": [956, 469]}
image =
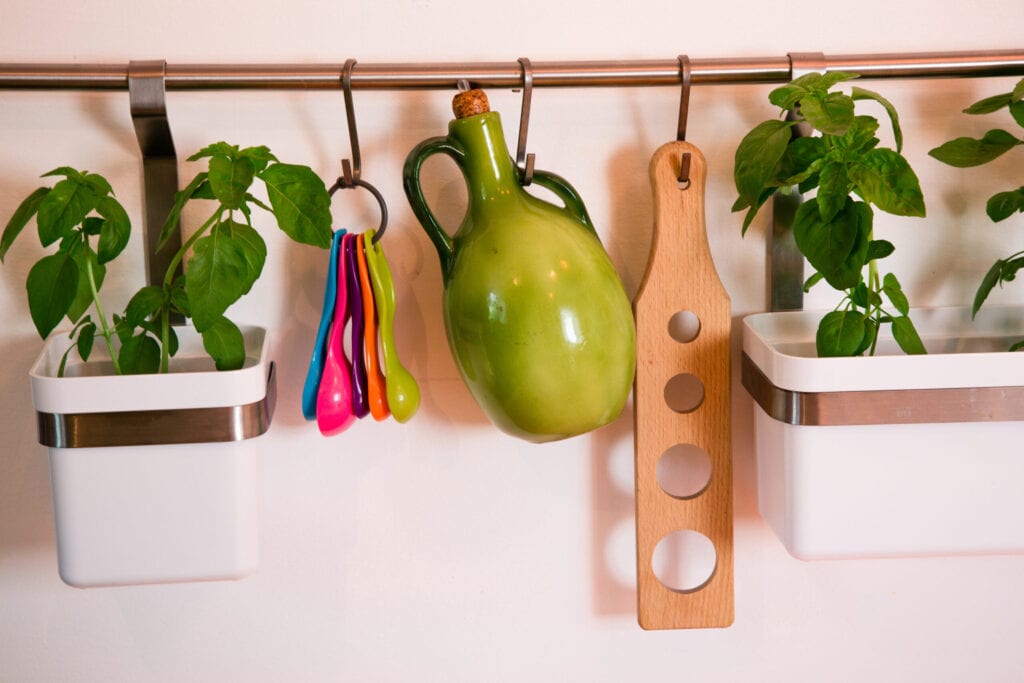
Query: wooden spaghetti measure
{"type": "Point", "coordinates": [680, 278]}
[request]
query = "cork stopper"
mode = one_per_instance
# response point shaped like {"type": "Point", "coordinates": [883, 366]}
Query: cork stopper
{"type": "Point", "coordinates": [470, 103]}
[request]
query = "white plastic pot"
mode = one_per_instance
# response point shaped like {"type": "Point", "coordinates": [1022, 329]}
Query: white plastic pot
{"type": "Point", "coordinates": [890, 455]}
{"type": "Point", "coordinates": [155, 477]}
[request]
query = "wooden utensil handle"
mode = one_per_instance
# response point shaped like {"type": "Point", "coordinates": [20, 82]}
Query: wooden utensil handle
{"type": "Point", "coordinates": [681, 277]}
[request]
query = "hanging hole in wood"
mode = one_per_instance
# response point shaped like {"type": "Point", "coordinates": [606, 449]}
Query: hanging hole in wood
{"type": "Point", "coordinates": [684, 326]}
{"type": "Point", "coordinates": [684, 561]}
{"type": "Point", "coordinates": [684, 471]}
{"type": "Point", "coordinates": [684, 393]}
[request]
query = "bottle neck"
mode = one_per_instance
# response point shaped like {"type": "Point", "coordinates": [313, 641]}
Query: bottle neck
{"type": "Point", "coordinates": [490, 173]}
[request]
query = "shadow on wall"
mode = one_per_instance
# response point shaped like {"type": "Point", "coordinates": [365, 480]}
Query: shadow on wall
{"type": "Point", "coordinates": [26, 511]}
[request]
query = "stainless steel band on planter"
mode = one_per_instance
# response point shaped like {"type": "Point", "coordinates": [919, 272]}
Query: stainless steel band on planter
{"type": "Point", "coordinates": [160, 427]}
{"type": "Point", "coordinates": [888, 406]}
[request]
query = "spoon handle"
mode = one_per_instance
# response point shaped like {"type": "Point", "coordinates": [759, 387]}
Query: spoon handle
{"type": "Point", "coordinates": [377, 389]}
{"type": "Point", "coordinates": [402, 390]}
{"type": "Point", "coordinates": [360, 400]}
{"type": "Point", "coordinates": [334, 398]}
{"type": "Point", "coordinates": [316, 363]}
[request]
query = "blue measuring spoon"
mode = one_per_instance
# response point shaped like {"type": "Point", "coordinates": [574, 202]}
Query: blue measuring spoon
{"type": "Point", "coordinates": [316, 363]}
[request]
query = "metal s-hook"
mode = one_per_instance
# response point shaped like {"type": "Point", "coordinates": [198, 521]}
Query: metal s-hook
{"type": "Point", "coordinates": [352, 170]}
{"type": "Point", "coordinates": [524, 161]}
{"type": "Point", "coordinates": [684, 110]}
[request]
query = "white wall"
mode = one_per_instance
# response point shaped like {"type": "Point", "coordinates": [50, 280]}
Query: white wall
{"type": "Point", "coordinates": [441, 549]}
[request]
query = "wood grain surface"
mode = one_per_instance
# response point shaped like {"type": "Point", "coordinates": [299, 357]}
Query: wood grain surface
{"type": "Point", "coordinates": [681, 277]}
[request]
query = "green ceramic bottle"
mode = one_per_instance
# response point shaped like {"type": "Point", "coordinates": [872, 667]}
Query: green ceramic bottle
{"type": "Point", "coordinates": [536, 316]}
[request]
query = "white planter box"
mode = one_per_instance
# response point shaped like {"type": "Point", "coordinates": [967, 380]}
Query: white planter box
{"type": "Point", "coordinates": [890, 455]}
{"type": "Point", "coordinates": [155, 477]}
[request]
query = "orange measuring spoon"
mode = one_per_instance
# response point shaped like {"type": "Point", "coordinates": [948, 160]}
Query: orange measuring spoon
{"type": "Point", "coordinates": [374, 376]}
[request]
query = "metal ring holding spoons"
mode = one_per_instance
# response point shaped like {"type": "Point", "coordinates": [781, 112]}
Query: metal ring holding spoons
{"type": "Point", "coordinates": [343, 184]}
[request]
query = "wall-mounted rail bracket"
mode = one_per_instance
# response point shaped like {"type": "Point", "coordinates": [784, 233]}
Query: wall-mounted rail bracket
{"type": "Point", "coordinates": [147, 96]}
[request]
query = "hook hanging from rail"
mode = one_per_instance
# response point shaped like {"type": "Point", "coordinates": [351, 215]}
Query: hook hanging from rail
{"type": "Point", "coordinates": [524, 161]}
{"type": "Point", "coordinates": [351, 171]}
{"type": "Point", "coordinates": [685, 75]}
{"type": "Point", "coordinates": [147, 90]}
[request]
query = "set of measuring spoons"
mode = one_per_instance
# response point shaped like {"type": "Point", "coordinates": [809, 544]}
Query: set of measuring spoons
{"type": "Point", "coordinates": [360, 291]}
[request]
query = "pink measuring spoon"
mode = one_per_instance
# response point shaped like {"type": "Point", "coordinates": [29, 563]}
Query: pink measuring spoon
{"type": "Point", "coordinates": [334, 399]}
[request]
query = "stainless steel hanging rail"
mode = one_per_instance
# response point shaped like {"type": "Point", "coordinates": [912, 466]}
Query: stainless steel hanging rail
{"type": "Point", "coordinates": [425, 76]}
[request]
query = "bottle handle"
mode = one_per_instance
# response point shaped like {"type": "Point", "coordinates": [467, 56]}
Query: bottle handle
{"type": "Point", "coordinates": [567, 193]}
{"type": "Point", "coordinates": [414, 191]}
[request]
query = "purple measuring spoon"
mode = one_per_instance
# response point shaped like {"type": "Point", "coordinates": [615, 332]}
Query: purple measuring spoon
{"type": "Point", "coordinates": [360, 384]}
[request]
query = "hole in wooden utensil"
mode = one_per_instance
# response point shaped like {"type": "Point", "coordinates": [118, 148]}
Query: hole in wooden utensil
{"type": "Point", "coordinates": [684, 561]}
{"type": "Point", "coordinates": [684, 326]}
{"type": "Point", "coordinates": [684, 470]}
{"type": "Point", "coordinates": [684, 393]}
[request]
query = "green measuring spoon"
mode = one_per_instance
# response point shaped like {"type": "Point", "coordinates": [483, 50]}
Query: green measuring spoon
{"type": "Point", "coordinates": [402, 391]}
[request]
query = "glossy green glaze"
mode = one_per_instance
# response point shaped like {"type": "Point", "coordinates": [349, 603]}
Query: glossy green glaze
{"type": "Point", "coordinates": [536, 316]}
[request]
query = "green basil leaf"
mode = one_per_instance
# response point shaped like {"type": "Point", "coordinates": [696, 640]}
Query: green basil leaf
{"type": "Point", "coordinates": [260, 156]}
{"type": "Point", "coordinates": [833, 189]}
{"type": "Point", "coordinates": [170, 226]}
{"type": "Point", "coordinates": [254, 200]}
{"type": "Point", "coordinates": [139, 355]}
{"type": "Point", "coordinates": [1010, 269]}
{"type": "Point", "coordinates": [906, 336]}
{"type": "Point", "coordinates": [988, 283]}
{"type": "Point", "coordinates": [840, 333]}
{"type": "Point", "coordinates": [217, 275]}
{"type": "Point", "coordinates": [870, 334]}
{"type": "Point", "coordinates": [86, 336]}
{"type": "Point", "coordinates": [803, 157]}
{"type": "Point", "coordinates": [831, 78]}
{"type": "Point", "coordinates": [859, 137]}
{"type": "Point", "coordinates": [225, 344]}
{"type": "Point", "coordinates": [52, 283]}
{"type": "Point", "coordinates": [814, 83]}
{"type": "Point", "coordinates": [84, 258]}
{"type": "Point", "coordinates": [812, 280]}
{"type": "Point", "coordinates": [65, 171]}
{"type": "Point", "coordinates": [115, 231]}
{"type": "Point", "coordinates": [966, 152]}
{"type": "Point", "coordinates": [1017, 112]}
{"type": "Point", "coordinates": [1002, 205]}
{"type": "Point", "coordinates": [179, 298]}
{"type": "Point", "coordinates": [230, 179]}
{"type": "Point", "coordinates": [893, 290]}
{"type": "Point", "coordinates": [831, 113]}
{"type": "Point", "coordinates": [837, 248]}
{"type": "Point", "coordinates": [64, 207]}
{"type": "Point", "coordinates": [143, 304]}
{"type": "Point", "coordinates": [757, 155]}
{"type": "Point", "coordinates": [300, 202]}
{"type": "Point", "coordinates": [203, 191]}
{"type": "Point", "coordinates": [253, 249]}
{"type": "Point", "coordinates": [93, 225]}
{"type": "Point", "coordinates": [894, 117]}
{"type": "Point", "coordinates": [787, 96]}
{"type": "Point", "coordinates": [1018, 91]}
{"type": "Point", "coordinates": [21, 217]}
{"type": "Point", "coordinates": [879, 249]}
{"type": "Point", "coordinates": [859, 295]}
{"type": "Point", "coordinates": [884, 178]}
{"type": "Point", "coordinates": [990, 104]}
{"type": "Point", "coordinates": [1016, 346]}
{"type": "Point", "coordinates": [98, 183]}
{"type": "Point", "coordinates": [216, 149]}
